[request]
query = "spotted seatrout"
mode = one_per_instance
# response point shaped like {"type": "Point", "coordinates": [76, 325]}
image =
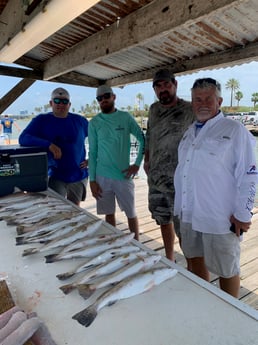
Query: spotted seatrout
{"type": "Point", "coordinates": [139, 264]}
{"type": "Point", "coordinates": [71, 236]}
{"type": "Point", "coordinates": [129, 287]}
{"type": "Point", "coordinates": [91, 251]}
{"type": "Point", "coordinates": [99, 259]}
{"type": "Point", "coordinates": [106, 268]}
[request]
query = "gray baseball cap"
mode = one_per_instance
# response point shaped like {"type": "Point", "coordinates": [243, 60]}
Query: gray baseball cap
{"type": "Point", "coordinates": [103, 89]}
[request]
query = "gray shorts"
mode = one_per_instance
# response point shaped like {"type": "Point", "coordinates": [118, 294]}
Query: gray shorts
{"type": "Point", "coordinates": [112, 190]}
{"type": "Point", "coordinates": [161, 206]}
{"type": "Point", "coordinates": [73, 191]}
{"type": "Point", "coordinates": [221, 252]}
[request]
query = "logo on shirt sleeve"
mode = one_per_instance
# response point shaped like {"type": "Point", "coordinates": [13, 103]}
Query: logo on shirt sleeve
{"type": "Point", "coordinates": [252, 170]}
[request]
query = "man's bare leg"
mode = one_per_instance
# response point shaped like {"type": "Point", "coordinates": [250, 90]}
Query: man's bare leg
{"type": "Point", "coordinates": [111, 219]}
{"type": "Point", "coordinates": [168, 235]}
{"type": "Point", "coordinates": [230, 285]}
{"type": "Point", "coordinates": [198, 267]}
{"type": "Point", "coordinates": [134, 227]}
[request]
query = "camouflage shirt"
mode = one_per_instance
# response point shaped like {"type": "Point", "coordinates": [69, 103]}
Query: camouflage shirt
{"type": "Point", "coordinates": [165, 129]}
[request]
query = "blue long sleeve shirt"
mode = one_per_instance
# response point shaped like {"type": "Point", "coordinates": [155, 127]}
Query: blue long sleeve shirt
{"type": "Point", "coordinates": [68, 134]}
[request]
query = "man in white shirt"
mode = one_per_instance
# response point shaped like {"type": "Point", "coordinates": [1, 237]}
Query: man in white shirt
{"type": "Point", "coordinates": [215, 188]}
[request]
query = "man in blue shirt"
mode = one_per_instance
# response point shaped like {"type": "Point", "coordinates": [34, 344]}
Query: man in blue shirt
{"type": "Point", "coordinates": [63, 134]}
{"type": "Point", "coordinates": [7, 125]}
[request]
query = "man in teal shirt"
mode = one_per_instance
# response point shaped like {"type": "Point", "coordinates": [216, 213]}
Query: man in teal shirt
{"type": "Point", "coordinates": [109, 159]}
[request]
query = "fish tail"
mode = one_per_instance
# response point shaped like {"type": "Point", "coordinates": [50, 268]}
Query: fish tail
{"type": "Point", "coordinates": [20, 240]}
{"type": "Point", "coordinates": [29, 251]}
{"type": "Point", "coordinates": [51, 258]}
{"type": "Point", "coordinates": [63, 276]}
{"type": "Point", "coordinates": [85, 290]}
{"type": "Point", "coordinates": [20, 229]}
{"type": "Point", "coordinates": [67, 288]}
{"type": "Point", "coordinates": [86, 316]}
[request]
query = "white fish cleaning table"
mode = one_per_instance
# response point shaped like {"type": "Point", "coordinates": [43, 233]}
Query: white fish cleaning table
{"type": "Point", "coordinates": [183, 310]}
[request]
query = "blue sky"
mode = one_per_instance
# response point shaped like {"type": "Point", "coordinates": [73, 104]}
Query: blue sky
{"type": "Point", "coordinates": [39, 93]}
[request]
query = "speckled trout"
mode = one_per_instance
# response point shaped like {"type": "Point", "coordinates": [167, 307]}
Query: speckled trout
{"type": "Point", "coordinates": [106, 268]}
{"type": "Point", "coordinates": [129, 287]}
{"type": "Point", "coordinates": [99, 259]}
{"type": "Point", "coordinates": [91, 251]}
{"type": "Point", "coordinates": [139, 264]}
{"type": "Point", "coordinates": [71, 236]}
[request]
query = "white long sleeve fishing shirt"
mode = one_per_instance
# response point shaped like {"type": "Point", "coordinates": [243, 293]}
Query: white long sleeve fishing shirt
{"type": "Point", "coordinates": [216, 175]}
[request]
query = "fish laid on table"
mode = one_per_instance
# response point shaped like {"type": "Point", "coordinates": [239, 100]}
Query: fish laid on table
{"type": "Point", "coordinates": [19, 197]}
{"type": "Point", "coordinates": [51, 222]}
{"type": "Point", "coordinates": [106, 268]}
{"type": "Point", "coordinates": [129, 287]}
{"type": "Point", "coordinates": [71, 236]}
{"type": "Point", "coordinates": [140, 264]}
{"type": "Point", "coordinates": [61, 230]}
{"type": "Point", "coordinates": [93, 250]}
{"type": "Point", "coordinates": [99, 259]}
{"type": "Point", "coordinates": [89, 241]}
{"type": "Point", "coordinates": [35, 218]}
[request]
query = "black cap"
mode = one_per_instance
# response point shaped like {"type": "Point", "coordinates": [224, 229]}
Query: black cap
{"type": "Point", "coordinates": [163, 74]}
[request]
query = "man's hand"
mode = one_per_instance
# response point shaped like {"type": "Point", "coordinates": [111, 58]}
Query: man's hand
{"type": "Point", "coordinates": [84, 164]}
{"type": "Point", "coordinates": [56, 151]}
{"type": "Point", "coordinates": [96, 191]}
{"type": "Point", "coordinates": [131, 171]}
{"type": "Point", "coordinates": [244, 226]}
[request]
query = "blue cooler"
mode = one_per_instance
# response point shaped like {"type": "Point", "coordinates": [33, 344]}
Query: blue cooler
{"type": "Point", "coordinates": [23, 167]}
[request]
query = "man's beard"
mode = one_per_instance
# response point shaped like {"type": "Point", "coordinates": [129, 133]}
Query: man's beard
{"type": "Point", "coordinates": [166, 98]}
{"type": "Point", "coordinates": [107, 108]}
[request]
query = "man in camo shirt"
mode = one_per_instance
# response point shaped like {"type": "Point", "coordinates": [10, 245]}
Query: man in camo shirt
{"type": "Point", "coordinates": [168, 120]}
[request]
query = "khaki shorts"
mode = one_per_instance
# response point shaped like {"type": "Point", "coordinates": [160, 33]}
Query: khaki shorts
{"type": "Point", "coordinates": [74, 191]}
{"type": "Point", "coordinates": [221, 252]}
{"type": "Point", "coordinates": [121, 191]}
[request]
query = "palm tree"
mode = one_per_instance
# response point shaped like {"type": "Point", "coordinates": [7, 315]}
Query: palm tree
{"type": "Point", "coordinates": [140, 99]}
{"type": "Point", "coordinates": [233, 85]}
{"type": "Point", "coordinates": [254, 98]}
{"type": "Point", "coordinates": [238, 97]}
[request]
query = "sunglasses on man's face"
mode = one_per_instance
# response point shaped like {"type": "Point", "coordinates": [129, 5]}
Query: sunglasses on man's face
{"type": "Point", "coordinates": [105, 96]}
{"type": "Point", "coordinates": [61, 100]}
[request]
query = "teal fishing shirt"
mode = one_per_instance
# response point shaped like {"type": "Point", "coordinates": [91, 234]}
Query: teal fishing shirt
{"type": "Point", "coordinates": [110, 142]}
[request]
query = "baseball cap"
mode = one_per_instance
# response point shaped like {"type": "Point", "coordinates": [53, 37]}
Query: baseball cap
{"type": "Point", "coordinates": [103, 89]}
{"type": "Point", "coordinates": [60, 92]}
{"type": "Point", "coordinates": [163, 74]}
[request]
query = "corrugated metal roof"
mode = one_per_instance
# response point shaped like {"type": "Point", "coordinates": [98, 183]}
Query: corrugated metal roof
{"type": "Point", "coordinates": [200, 41]}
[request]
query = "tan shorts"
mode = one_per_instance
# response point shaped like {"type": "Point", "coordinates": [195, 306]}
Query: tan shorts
{"type": "Point", "coordinates": [121, 191]}
{"type": "Point", "coordinates": [221, 252]}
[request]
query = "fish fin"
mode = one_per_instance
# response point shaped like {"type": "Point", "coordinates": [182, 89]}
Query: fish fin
{"type": "Point", "coordinates": [86, 290]}
{"type": "Point", "coordinates": [51, 258]}
{"type": "Point", "coordinates": [86, 316]}
{"type": "Point", "coordinates": [63, 276]}
{"type": "Point", "coordinates": [67, 288]}
{"type": "Point", "coordinates": [29, 251]}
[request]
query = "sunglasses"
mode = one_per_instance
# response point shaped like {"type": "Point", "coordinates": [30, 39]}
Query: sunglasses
{"type": "Point", "coordinates": [105, 96]}
{"type": "Point", "coordinates": [61, 100]}
{"type": "Point", "coordinates": [204, 81]}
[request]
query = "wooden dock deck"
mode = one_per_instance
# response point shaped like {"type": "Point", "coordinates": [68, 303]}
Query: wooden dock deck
{"type": "Point", "coordinates": [151, 237]}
